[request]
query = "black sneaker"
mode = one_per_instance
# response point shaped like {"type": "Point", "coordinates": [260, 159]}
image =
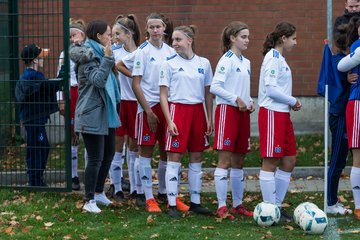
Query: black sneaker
{"type": "Point", "coordinates": [111, 191]}
{"type": "Point", "coordinates": [162, 198]}
{"type": "Point", "coordinates": [197, 208]}
{"type": "Point", "coordinates": [140, 200]}
{"type": "Point", "coordinates": [173, 212]}
{"type": "Point", "coordinates": [132, 195]}
{"type": "Point", "coordinates": [125, 185]}
{"type": "Point", "coordinates": [75, 185]}
{"type": "Point", "coordinates": [285, 217]}
{"type": "Point", "coordinates": [119, 196]}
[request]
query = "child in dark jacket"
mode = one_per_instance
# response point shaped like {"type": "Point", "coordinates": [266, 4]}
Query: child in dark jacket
{"type": "Point", "coordinates": [37, 97]}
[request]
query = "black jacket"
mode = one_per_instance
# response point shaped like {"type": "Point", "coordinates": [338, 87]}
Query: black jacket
{"type": "Point", "coordinates": [344, 19]}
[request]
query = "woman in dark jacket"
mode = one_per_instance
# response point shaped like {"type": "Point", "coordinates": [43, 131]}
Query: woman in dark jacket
{"type": "Point", "coordinates": [95, 115]}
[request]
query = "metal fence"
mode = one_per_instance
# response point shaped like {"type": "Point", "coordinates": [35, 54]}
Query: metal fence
{"type": "Point", "coordinates": [26, 160]}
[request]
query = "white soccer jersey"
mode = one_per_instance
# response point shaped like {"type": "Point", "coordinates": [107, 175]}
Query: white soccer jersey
{"type": "Point", "coordinates": [186, 78]}
{"type": "Point", "coordinates": [73, 81]}
{"type": "Point", "coordinates": [125, 82]}
{"type": "Point", "coordinates": [148, 60]}
{"type": "Point", "coordinates": [274, 72]}
{"type": "Point", "coordinates": [233, 73]}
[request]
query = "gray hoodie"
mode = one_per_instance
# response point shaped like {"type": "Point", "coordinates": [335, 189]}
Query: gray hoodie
{"type": "Point", "coordinates": [90, 112]}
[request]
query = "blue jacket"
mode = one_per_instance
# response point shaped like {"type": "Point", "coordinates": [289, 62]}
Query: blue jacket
{"type": "Point", "coordinates": [37, 96]}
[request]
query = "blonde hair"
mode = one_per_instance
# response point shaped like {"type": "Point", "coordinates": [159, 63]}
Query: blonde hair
{"type": "Point", "coordinates": [189, 31]}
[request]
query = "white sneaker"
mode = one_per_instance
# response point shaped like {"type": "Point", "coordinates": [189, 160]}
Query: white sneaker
{"type": "Point", "coordinates": [102, 199]}
{"type": "Point", "coordinates": [91, 207]}
{"type": "Point", "coordinates": [338, 208]}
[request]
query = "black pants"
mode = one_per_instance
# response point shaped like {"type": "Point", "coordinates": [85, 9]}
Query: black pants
{"type": "Point", "coordinates": [100, 150]}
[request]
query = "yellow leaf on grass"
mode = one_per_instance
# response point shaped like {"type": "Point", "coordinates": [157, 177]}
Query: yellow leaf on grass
{"type": "Point", "coordinates": [150, 220]}
{"type": "Point", "coordinates": [285, 205]}
{"type": "Point", "coordinates": [67, 237]}
{"type": "Point", "coordinates": [208, 227]}
{"type": "Point", "coordinates": [79, 204]}
{"type": "Point", "coordinates": [39, 218]}
{"type": "Point", "coordinates": [342, 199]}
{"type": "Point", "coordinates": [8, 230]}
{"type": "Point", "coordinates": [48, 224]}
{"type": "Point", "coordinates": [288, 227]}
{"type": "Point", "coordinates": [156, 235]}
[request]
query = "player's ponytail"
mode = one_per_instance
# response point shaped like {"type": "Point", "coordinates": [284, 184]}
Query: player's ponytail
{"type": "Point", "coordinates": [130, 24]}
{"type": "Point", "coordinates": [232, 29]}
{"type": "Point", "coordinates": [274, 38]}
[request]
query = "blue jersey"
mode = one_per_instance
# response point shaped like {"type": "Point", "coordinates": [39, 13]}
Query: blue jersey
{"type": "Point", "coordinates": [339, 106]}
{"type": "Point", "coordinates": [355, 88]}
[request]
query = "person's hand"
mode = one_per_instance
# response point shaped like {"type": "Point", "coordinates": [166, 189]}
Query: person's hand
{"type": "Point", "coordinates": [352, 77]}
{"type": "Point", "coordinates": [209, 128]}
{"type": "Point", "coordinates": [153, 121]}
{"type": "Point", "coordinates": [252, 107]}
{"type": "Point", "coordinates": [297, 106]}
{"type": "Point", "coordinates": [241, 104]}
{"type": "Point", "coordinates": [172, 129]}
{"type": "Point", "coordinates": [107, 50]}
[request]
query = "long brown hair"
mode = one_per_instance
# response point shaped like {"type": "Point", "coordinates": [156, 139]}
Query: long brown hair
{"type": "Point", "coordinates": [274, 38]}
{"type": "Point", "coordinates": [232, 29]}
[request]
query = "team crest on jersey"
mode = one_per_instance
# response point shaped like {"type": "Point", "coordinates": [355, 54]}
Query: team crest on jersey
{"type": "Point", "coordinates": [162, 74]}
{"type": "Point", "coordinates": [175, 144]}
{"type": "Point", "coordinates": [227, 142]}
{"type": "Point", "coordinates": [238, 70]}
{"type": "Point", "coordinates": [146, 138]}
{"type": "Point", "coordinates": [180, 69]}
{"type": "Point", "coordinates": [272, 74]}
{"type": "Point", "coordinates": [201, 71]}
{"type": "Point", "coordinates": [278, 149]}
{"type": "Point", "coordinates": [221, 70]}
{"type": "Point", "coordinates": [137, 65]}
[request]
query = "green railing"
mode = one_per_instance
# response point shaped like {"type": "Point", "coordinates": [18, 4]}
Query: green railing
{"type": "Point", "coordinates": [45, 23]}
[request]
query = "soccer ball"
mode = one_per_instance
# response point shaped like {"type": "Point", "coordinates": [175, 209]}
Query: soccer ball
{"type": "Point", "coordinates": [266, 214]}
{"type": "Point", "coordinates": [301, 208]}
{"type": "Point", "coordinates": [313, 221]}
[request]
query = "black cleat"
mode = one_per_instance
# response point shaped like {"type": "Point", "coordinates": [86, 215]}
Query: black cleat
{"type": "Point", "coordinates": [140, 200]}
{"type": "Point", "coordinates": [125, 185]}
{"type": "Point", "coordinates": [285, 217]}
{"type": "Point", "coordinates": [75, 185]}
{"type": "Point", "coordinates": [119, 196]}
{"type": "Point", "coordinates": [197, 208]}
{"type": "Point", "coordinates": [173, 212]}
{"type": "Point", "coordinates": [111, 191]}
{"type": "Point", "coordinates": [162, 198]}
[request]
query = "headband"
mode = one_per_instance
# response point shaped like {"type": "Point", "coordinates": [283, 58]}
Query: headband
{"type": "Point", "coordinates": [125, 28]}
{"type": "Point", "coordinates": [78, 27]}
{"type": "Point", "coordinates": [156, 19]}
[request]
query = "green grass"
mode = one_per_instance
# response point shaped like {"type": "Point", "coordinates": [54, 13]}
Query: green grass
{"type": "Point", "coordinates": [26, 215]}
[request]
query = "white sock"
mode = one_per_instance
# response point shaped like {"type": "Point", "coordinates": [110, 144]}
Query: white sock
{"type": "Point", "coordinates": [221, 185]}
{"type": "Point", "coordinates": [115, 171]}
{"type": "Point", "coordinates": [85, 158]}
{"type": "Point", "coordinates": [171, 176]}
{"type": "Point", "coordinates": [138, 185]}
{"type": "Point", "coordinates": [267, 186]}
{"type": "Point", "coordinates": [124, 151]}
{"type": "Point", "coordinates": [237, 186]}
{"type": "Point", "coordinates": [146, 176]}
{"type": "Point", "coordinates": [355, 185]}
{"type": "Point", "coordinates": [74, 161]}
{"type": "Point", "coordinates": [130, 159]}
{"type": "Point", "coordinates": [282, 181]}
{"type": "Point", "coordinates": [195, 181]}
{"type": "Point", "coordinates": [161, 176]}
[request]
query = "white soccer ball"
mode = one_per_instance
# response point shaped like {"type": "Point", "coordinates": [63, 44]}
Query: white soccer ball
{"type": "Point", "coordinates": [301, 208]}
{"type": "Point", "coordinates": [313, 221]}
{"type": "Point", "coordinates": [266, 214]}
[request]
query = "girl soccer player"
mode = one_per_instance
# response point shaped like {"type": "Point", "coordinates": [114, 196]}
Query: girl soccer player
{"type": "Point", "coordinates": [77, 34]}
{"type": "Point", "coordinates": [231, 85]}
{"type": "Point", "coordinates": [277, 140]}
{"type": "Point", "coordinates": [150, 119]}
{"type": "Point", "coordinates": [185, 80]}
{"type": "Point", "coordinates": [126, 34]}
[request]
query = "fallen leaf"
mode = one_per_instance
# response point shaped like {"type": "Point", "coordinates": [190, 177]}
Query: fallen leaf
{"type": "Point", "coordinates": [79, 204]}
{"type": "Point", "coordinates": [208, 227]}
{"type": "Point", "coordinates": [342, 199]}
{"type": "Point", "coordinates": [285, 205]}
{"type": "Point", "coordinates": [56, 205]}
{"type": "Point", "coordinates": [156, 235]}
{"type": "Point", "coordinates": [67, 237]}
{"type": "Point", "coordinates": [150, 221]}
{"type": "Point", "coordinates": [48, 224]}
{"type": "Point", "coordinates": [288, 227]}
{"type": "Point", "coordinates": [8, 230]}
{"type": "Point", "coordinates": [39, 218]}
{"type": "Point", "coordinates": [25, 230]}
{"type": "Point", "coordinates": [309, 177]}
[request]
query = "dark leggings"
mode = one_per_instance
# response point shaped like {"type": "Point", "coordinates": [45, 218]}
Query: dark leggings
{"type": "Point", "coordinates": [339, 152]}
{"type": "Point", "coordinates": [100, 150]}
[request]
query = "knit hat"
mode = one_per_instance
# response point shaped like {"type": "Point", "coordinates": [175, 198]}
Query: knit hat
{"type": "Point", "coordinates": [32, 51]}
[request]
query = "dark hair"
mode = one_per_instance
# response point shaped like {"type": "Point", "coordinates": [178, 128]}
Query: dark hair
{"type": "Point", "coordinates": [340, 39]}
{"type": "Point", "coordinates": [352, 32]}
{"type": "Point", "coordinates": [189, 31]}
{"type": "Point", "coordinates": [232, 29]}
{"type": "Point", "coordinates": [274, 38]}
{"type": "Point", "coordinates": [131, 23]}
{"type": "Point", "coordinates": [168, 29]}
{"type": "Point", "coordinates": [95, 27]}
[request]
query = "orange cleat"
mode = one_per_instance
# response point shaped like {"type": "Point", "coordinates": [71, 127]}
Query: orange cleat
{"type": "Point", "coordinates": [224, 213]}
{"type": "Point", "coordinates": [357, 213]}
{"type": "Point", "coordinates": [241, 210]}
{"type": "Point", "coordinates": [152, 206]}
{"type": "Point", "coordinates": [181, 206]}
